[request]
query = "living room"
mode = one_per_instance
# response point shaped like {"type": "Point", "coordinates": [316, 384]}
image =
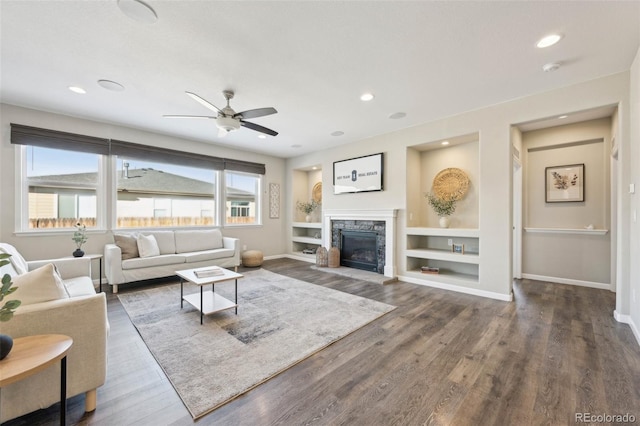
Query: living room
{"type": "Point", "coordinates": [609, 107]}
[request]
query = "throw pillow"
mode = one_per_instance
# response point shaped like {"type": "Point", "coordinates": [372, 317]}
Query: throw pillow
{"type": "Point", "coordinates": [128, 245]}
{"type": "Point", "coordinates": [148, 246]}
{"type": "Point", "coordinates": [37, 286]}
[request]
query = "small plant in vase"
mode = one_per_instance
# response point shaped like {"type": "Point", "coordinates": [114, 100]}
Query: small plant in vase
{"type": "Point", "coordinates": [79, 237]}
{"type": "Point", "coordinates": [307, 208]}
{"type": "Point", "coordinates": [444, 207]}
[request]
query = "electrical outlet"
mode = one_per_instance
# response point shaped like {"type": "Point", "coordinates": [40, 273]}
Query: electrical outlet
{"type": "Point", "coordinates": [244, 247]}
{"type": "Point", "coordinates": [449, 242]}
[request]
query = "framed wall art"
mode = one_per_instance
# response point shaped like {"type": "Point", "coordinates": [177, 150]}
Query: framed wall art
{"type": "Point", "coordinates": [361, 174]}
{"type": "Point", "coordinates": [564, 184]}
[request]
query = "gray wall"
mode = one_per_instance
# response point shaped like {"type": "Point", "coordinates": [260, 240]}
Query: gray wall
{"type": "Point", "coordinates": [585, 258]}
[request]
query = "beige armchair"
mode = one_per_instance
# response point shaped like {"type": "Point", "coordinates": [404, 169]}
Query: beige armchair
{"type": "Point", "coordinates": [82, 316]}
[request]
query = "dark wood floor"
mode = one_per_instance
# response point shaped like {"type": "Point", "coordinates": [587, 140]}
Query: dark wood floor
{"type": "Point", "coordinates": [440, 358]}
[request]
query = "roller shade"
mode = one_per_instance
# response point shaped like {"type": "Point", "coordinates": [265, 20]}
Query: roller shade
{"type": "Point", "coordinates": [34, 136]}
{"type": "Point", "coordinates": [244, 166]}
{"type": "Point", "coordinates": [164, 155]}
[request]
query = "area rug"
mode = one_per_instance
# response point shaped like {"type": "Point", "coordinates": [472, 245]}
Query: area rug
{"type": "Point", "coordinates": [280, 322]}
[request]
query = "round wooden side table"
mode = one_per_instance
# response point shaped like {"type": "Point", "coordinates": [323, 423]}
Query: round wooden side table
{"type": "Point", "coordinates": [32, 354]}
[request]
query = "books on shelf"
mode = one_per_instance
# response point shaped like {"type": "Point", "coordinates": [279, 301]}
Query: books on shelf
{"type": "Point", "coordinates": [209, 272]}
{"type": "Point", "coordinates": [430, 270]}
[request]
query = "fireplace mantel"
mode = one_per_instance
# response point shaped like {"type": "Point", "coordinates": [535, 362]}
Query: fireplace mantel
{"type": "Point", "coordinates": [386, 215]}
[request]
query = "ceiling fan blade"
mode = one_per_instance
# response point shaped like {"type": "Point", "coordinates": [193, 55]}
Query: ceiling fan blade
{"type": "Point", "coordinates": [188, 116]}
{"type": "Point", "coordinates": [258, 128]}
{"type": "Point", "coordinates": [204, 102]}
{"type": "Point", "coordinates": [255, 113]}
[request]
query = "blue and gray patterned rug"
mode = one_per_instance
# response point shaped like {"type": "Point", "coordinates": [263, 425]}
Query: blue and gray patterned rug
{"type": "Point", "coordinates": [280, 322]}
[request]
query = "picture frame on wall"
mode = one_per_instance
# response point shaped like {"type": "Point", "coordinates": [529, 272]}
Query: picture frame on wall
{"type": "Point", "coordinates": [361, 174]}
{"type": "Point", "coordinates": [564, 184]}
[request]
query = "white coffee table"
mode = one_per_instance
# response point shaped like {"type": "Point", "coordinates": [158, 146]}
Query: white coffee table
{"type": "Point", "coordinates": [208, 302]}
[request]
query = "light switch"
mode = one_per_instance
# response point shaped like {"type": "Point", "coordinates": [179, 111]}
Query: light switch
{"type": "Point", "coordinates": [632, 188]}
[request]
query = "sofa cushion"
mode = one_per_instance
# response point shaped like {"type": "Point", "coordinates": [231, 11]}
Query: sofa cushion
{"type": "Point", "coordinates": [148, 246]}
{"type": "Point", "coordinates": [165, 239]}
{"type": "Point", "coordinates": [197, 240]}
{"type": "Point", "coordinates": [147, 262]}
{"type": "Point", "coordinates": [199, 256]}
{"type": "Point", "coordinates": [40, 285]}
{"type": "Point", "coordinates": [79, 286]}
{"type": "Point", "coordinates": [128, 244]}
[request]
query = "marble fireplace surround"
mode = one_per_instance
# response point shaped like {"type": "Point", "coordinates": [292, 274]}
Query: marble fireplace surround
{"type": "Point", "coordinates": [386, 215]}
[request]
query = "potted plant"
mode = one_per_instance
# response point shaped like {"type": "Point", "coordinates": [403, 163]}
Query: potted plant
{"type": "Point", "coordinates": [6, 311]}
{"type": "Point", "coordinates": [444, 207]}
{"type": "Point", "coordinates": [307, 208]}
{"type": "Point", "coordinates": [79, 237]}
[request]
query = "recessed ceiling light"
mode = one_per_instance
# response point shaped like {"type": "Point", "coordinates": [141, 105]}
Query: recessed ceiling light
{"type": "Point", "coordinates": [397, 115]}
{"type": "Point", "coordinates": [337, 133]}
{"type": "Point", "coordinates": [262, 136]}
{"type": "Point", "coordinates": [366, 97]}
{"type": "Point", "coordinates": [111, 85]}
{"type": "Point", "coordinates": [138, 11]}
{"type": "Point", "coordinates": [549, 40]}
{"type": "Point", "coordinates": [550, 67]}
{"type": "Point", "coordinates": [76, 89]}
{"type": "Point", "coordinates": [444, 143]}
{"type": "Point", "coordinates": [562, 117]}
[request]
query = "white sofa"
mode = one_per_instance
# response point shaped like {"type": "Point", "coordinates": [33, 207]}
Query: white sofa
{"type": "Point", "coordinates": [78, 312]}
{"type": "Point", "coordinates": [179, 249]}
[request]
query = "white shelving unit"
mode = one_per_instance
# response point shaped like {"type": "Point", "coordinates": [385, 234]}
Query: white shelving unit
{"type": "Point", "coordinates": [306, 235]}
{"type": "Point", "coordinates": [432, 247]}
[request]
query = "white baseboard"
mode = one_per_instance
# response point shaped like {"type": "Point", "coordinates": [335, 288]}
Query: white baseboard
{"type": "Point", "coordinates": [601, 286]}
{"type": "Point", "coordinates": [626, 319]}
{"type": "Point", "coordinates": [459, 289]}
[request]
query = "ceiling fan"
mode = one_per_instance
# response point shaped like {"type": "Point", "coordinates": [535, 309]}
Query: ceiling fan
{"type": "Point", "coordinates": [227, 119]}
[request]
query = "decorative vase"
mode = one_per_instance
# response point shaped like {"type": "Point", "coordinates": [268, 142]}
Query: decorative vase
{"type": "Point", "coordinates": [78, 253]}
{"type": "Point", "coordinates": [444, 221]}
{"type": "Point", "coordinates": [322, 257]}
{"type": "Point", "coordinates": [308, 218]}
{"type": "Point", "coordinates": [6, 343]}
{"type": "Point", "coordinates": [334, 257]}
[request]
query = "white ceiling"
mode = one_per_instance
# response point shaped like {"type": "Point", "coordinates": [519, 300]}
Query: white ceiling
{"type": "Point", "coordinates": [311, 60]}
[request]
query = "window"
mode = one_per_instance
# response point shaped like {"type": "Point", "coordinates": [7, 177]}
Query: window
{"type": "Point", "coordinates": [154, 194]}
{"type": "Point", "coordinates": [242, 196]}
{"type": "Point", "coordinates": [61, 188]}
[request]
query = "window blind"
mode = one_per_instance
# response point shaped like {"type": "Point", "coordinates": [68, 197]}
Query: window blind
{"type": "Point", "coordinates": [34, 136]}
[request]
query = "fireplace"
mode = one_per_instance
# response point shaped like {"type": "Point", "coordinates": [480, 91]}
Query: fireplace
{"type": "Point", "coordinates": [359, 249]}
{"type": "Point", "coordinates": [380, 223]}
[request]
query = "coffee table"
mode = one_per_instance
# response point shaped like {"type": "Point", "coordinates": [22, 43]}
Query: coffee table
{"type": "Point", "coordinates": [208, 302]}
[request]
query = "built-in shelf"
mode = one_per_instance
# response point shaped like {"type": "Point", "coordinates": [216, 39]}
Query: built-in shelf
{"type": "Point", "coordinates": [305, 235]}
{"type": "Point", "coordinates": [432, 247]}
{"type": "Point", "coordinates": [577, 231]}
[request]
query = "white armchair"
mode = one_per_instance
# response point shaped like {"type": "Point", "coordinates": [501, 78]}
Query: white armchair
{"type": "Point", "coordinates": [82, 316]}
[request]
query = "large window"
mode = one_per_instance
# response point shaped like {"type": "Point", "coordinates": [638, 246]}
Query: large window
{"type": "Point", "coordinates": [68, 178]}
{"type": "Point", "coordinates": [151, 194]}
{"type": "Point", "coordinates": [242, 195]}
{"type": "Point", "coordinates": [62, 188]}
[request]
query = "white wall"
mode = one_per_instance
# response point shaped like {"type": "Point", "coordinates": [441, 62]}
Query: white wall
{"type": "Point", "coordinates": [268, 237]}
{"type": "Point", "coordinates": [632, 307]}
{"type": "Point", "coordinates": [493, 124]}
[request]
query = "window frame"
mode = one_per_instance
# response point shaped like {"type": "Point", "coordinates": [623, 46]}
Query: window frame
{"type": "Point", "coordinates": [21, 224]}
{"type": "Point", "coordinates": [222, 208]}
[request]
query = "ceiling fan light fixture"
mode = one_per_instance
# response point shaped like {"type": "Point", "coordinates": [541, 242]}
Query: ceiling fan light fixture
{"type": "Point", "coordinates": [228, 124]}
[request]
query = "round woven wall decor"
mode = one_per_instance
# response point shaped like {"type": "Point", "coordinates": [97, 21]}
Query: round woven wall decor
{"type": "Point", "coordinates": [451, 183]}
